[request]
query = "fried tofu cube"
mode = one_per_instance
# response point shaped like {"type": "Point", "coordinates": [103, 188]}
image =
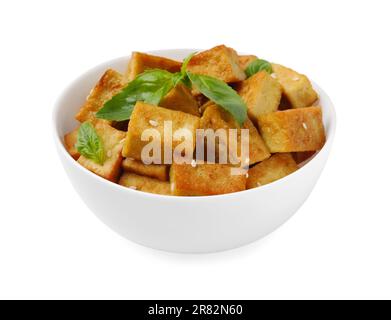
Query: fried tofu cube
{"type": "Point", "coordinates": [145, 184]}
{"type": "Point", "coordinates": [145, 116]}
{"type": "Point", "coordinates": [181, 99]}
{"type": "Point", "coordinates": [109, 84]}
{"type": "Point", "coordinates": [219, 62]}
{"type": "Point", "coordinates": [258, 150]}
{"type": "Point", "coordinates": [295, 87]}
{"type": "Point", "coordinates": [244, 61]}
{"type": "Point", "coordinates": [139, 62]}
{"type": "Point", "coordinates": [261, 93]}
{"type": "Point", "coordinates": [293, 130]}
{"type": "Point", "coordinates": [215, 117]}
{"type": "Point", "coordinates": [112, 140]}
{"type": "Point", "coordinates": [276, 167]}
{"type": "Point", "coordinates": [70, 140]}
{"type": "Point", "coordinates": [156, 171]}
{"type": "Point", "coordinates": [204, 180]}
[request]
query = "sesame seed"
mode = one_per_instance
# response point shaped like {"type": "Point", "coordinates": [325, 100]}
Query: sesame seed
{"type": "Point", "coordinates": [274, 75]}
{"type": "Point", "coordinates": [246, 175]}
{"type": "Point", "coordinates": [153, 123]}
{"type": "Point", "coordinates": [193, 163]}
{"type": "Point", "coordinates": [133, 187]}
{"type": "Point", "coordinates": [200, 110]}
{"type": "Point", "coordinates": [305, 126]}
{"type": "Point", "coordinates": [109, 153]}
{"type": "Point", "coordinates": [296, 79]}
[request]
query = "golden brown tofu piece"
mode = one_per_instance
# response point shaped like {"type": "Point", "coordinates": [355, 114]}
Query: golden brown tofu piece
{"type": "Point", "coordinates": [145, 116]}
{"type": "Point", "coordinates": [219, 62]}
{"type": "Point", "coordinates": [113, 140]}
{"type": "Point", "coordinates": [181, 99]}
{"type": "Point", "coordinates": [139, 62]}
{"type": "Point", "coordinates": [70, 140]}
{"type": "Point", "coordinates": [293, 130]}
{"type": "Point", "coordinates": [110, 84]}
{"type": "Point", "coordinates": [261, 93]}
{"type": "Point", "coordinates": [276, 167]}
{"type": "Point", "coordinates": [146, 184]}
{"type": "Point", "coordinates": [156, 171]}
{"type": "Point", "coordinates": [244, 61]}
{"type": "Point", "coordinates": [214, 117]}
{"type": "Point", "coordinates": [295, 87]}
{"type": "Point", "coordinates": [204, 180]}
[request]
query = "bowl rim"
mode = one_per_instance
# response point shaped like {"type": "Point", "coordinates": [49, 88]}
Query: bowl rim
{"type": "Point", "coordinates": [58, 140]}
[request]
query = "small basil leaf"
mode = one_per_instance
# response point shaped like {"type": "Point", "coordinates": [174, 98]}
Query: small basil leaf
{"type": "Point", "coordinates": [89, 144]}
{"type": "Point", "coordinates": [258, 65]}
{"type": "Point", "coordinates": [222, 94]}
{"type": "Point", "coordinates": [161, 92]}
{"type": "Point", "coordinates": [186, 81]}
{"type": "Point", "coordinates": [150, 87]}
{"type": "Point", "coordinates": [186, 62]}
{"type": "Point", "coordinates": [178, 77]}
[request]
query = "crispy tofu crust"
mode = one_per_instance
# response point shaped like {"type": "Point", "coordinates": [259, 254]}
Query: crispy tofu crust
{"type": "Point", "coordinates": [145, 116]}
{"type": "Point", "coordinates": [261, 93]}
{"type": "Point", "coordinates": [70, 140]}
{"type": "Point", "coordinates": [258, 148]}
{"type": "Point", "coordinates": [139, 62]}
{"type": "Point", "coordinates": [295, 86]}
{"type": "Point", "coordinates": [109, 84]}
{"type": "Point", "coordinates": [293, 130]}
{"type": "Point", "coordinates": [272, 169]}
{"type": "Point", "coordinates": [244, 61]}
{"type": "Point", "coordinates": [220, 62]}
{"type": "Point", "coordinates": [145, 184]}
{"type": "Point", "coordinates": [181, 99]}
{"type": "Point", "coordinates": [214, 117]}
{"type": "Point", "coordinates": [112, 142]}
{"type": "Point", "coordinates": [156, 171]}
{"type": "Point", "coordinates": [204, 180]}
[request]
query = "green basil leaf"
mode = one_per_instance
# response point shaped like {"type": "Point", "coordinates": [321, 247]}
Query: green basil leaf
{"type": "Point", "coordinates": [222, 94]}
{"type": "Point", "coordinates": [178, 77]}
{"type": "Point", "coordinates": [155, 97]}
{"type": "Point", "coordinates": [186, 81]}
{"type": "Point", "coordinates": [184, 78]}
{"type": "Point", "coordinates": [186, 62]}
{"type": "Point", "coordinates": [258, 65]}
{"type": "Point", "coordinates": [150, 87]}
{"type": "Point", "coordinates": [89, 144]}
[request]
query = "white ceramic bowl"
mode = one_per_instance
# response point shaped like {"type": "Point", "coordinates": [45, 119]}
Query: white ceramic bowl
{"type": "Point", "coordinates": [185, 224]}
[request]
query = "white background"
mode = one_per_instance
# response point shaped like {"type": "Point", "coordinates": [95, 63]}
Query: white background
{"type": "Point", "coordinates": [337, 246]}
